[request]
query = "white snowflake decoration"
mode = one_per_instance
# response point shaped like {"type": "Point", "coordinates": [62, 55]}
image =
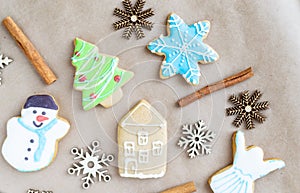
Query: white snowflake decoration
{"type": "Point", "coordinates": [91, 165]}
{"type": "Point", "coordinates": [197, 139]}
{"type": "Point", "coordinates": [0, 79]}
{"type": "Point", "coordinates": [4, 61]}
{"type": "Point", "coordinates": [37, 191]}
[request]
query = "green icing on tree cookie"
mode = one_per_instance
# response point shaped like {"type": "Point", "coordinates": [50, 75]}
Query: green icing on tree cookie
{"type": "Point", "coordinates": [97, 75]}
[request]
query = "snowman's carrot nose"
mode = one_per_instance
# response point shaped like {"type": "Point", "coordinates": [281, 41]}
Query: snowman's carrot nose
{"type": "Point", "coordinates": [41, 118]}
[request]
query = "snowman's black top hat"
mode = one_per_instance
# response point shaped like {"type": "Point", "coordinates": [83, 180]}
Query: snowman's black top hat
{"type": "Point", "coordinates": [43, 101]}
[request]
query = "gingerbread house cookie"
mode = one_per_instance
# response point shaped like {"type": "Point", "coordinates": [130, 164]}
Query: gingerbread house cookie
{"type": "Point", "coordinates": [142, 139]}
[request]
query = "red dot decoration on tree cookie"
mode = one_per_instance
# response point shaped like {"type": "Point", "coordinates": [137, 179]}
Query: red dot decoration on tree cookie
{"type": "Point", "coordinates": [93, 96]}
{"type": "Point", "coordinates": [77, 53]}
{"type": "Point", "coordinates": [117, 78]}
{"type": "Point", "coordinates": [82, 78]}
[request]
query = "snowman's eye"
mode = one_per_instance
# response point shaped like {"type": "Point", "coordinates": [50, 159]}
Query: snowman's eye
{"type": "Point", "coordinates": [43, 113]}
{"type": "Point", "coordinates": [34, 111]}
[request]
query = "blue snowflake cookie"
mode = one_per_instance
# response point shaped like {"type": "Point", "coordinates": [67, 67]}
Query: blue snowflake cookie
{"type": "Point", "coordinates": [183, 48]}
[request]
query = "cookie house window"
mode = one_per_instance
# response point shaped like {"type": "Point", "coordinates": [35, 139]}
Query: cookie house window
{"type": "Point", "coordinates": [129, 149]}
{"type": "Point", "coordinates": [157, 148]}
{"type": "Point", "coordinates": [143, 156]}
{"type": "Point", "coordinates": [143, 138]}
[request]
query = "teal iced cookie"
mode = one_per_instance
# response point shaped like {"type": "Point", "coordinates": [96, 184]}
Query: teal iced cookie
{"type": "Point", "coordinates": [183, 48]}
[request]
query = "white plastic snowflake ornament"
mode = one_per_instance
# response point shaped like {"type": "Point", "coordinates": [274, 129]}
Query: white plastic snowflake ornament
{"type": "Point", "coordinates": [91, 165]}
{"type": "Point", "coordinates": [197, 139]}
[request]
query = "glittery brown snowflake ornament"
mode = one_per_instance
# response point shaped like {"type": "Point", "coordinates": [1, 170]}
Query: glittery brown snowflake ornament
{"type": "Point", "coordinates": [246, 108]}
{"type": "Point", "coordinates": [133, 18]}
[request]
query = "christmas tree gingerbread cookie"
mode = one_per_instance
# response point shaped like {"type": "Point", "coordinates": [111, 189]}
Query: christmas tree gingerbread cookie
{"type": "Point", "coordinates": [97, 76]}
{"type": "Point", "coordinates": [32, 139]}
{"type": "Point", "coordinates": [248, 166]}
{"type": "Point", "coordinates": [183, 48]}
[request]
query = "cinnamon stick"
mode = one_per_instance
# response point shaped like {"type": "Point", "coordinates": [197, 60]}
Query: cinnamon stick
{"type": "Point", "coordinates": [227, 82]}
{"type": "Point", "coordinates": [184, 188]}
{"type": "Point", "coordinates": [30, 51]}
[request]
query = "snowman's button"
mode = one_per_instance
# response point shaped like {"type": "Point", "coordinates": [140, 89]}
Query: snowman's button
{"type": "Point", "coordinates": [26, 158]}
{"type": "Point", "coordinates": [31, 141]}
{"type": "Point", "coordinates": [29, 149]}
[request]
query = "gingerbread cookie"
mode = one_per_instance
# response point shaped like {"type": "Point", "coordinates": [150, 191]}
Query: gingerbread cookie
{"type": "Point", "coordinates": [97, 76]}
{"type": "Point", "coordinates": [142, 139]}
{"type": "Point", "coordinates": [32, 139]}
{"type": "Point", "coordinates": [183, 48]}
{"type": "Point", "coordinates": [248, 166]}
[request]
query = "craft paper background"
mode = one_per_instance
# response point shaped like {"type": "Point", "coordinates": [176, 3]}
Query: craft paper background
{"type": "Point", "coordinates": [261, 34]}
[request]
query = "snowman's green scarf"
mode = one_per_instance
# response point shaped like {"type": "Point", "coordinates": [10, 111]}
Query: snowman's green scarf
{"type": "Point", "coordinates": [41, 134]}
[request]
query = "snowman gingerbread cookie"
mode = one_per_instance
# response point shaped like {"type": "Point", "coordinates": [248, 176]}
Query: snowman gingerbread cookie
{"type": "Point", "coordinates": [32, 139]}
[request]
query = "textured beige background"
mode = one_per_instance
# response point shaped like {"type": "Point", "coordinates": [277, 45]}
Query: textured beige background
{"type": "Point", "coordinates": [262, 34]}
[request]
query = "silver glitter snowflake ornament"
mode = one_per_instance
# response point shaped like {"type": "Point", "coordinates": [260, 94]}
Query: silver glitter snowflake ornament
{"type": "Point", "coordinates": [196, 138]}
{"type": "Point", "coordinates": [90, 164]}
